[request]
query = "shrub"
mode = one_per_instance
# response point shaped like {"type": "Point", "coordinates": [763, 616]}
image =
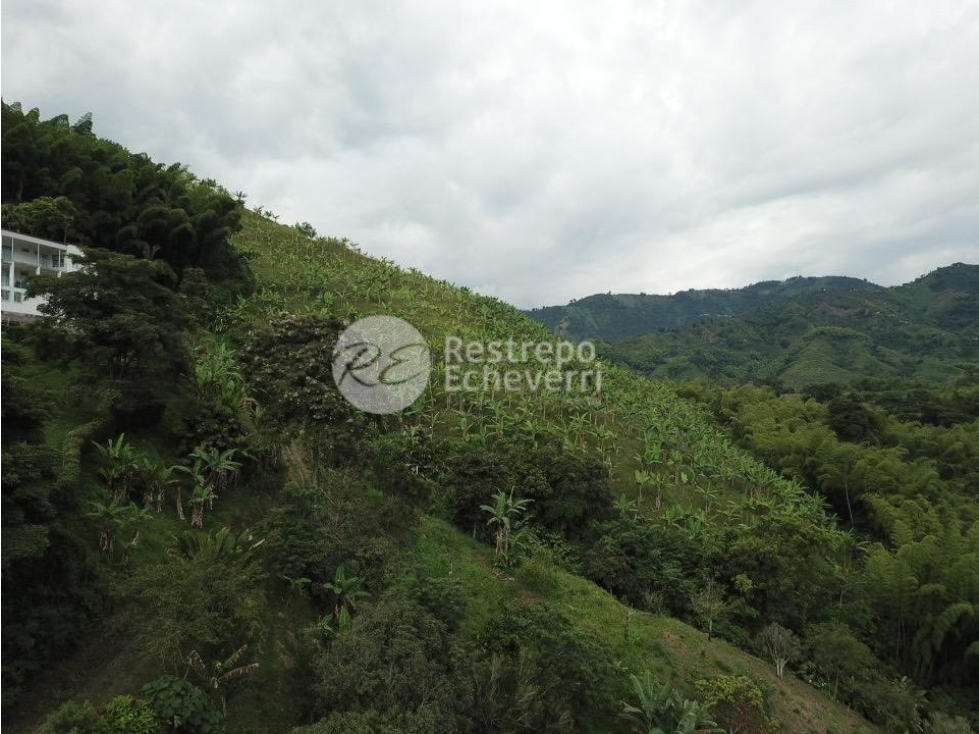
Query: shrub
{"type": "Point", "coordinates": [737, 704]}
{"type": "Point", "coordinates": [125, 714]}
{"type": "Point", "coordinates": [75, 718]}
{"type": "Point", "coordinates": [182, 705]}
{"type": "Point", "coordinates": [394, 659]}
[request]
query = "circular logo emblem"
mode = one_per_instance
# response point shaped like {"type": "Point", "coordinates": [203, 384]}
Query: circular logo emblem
{"type": "Point", "coordinates": [381, 364]}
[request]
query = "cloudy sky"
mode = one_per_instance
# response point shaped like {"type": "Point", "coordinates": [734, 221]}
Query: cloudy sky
{"type": "Point", "coordinates": [540, 151]}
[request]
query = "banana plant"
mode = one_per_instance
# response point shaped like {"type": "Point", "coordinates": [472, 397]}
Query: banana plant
{"type": "Point", "coordinates": [120, 464]}
{"type": "Point", "coordinates": [504, 516]}
{"type": "Point", "coordinates": [216, 677]}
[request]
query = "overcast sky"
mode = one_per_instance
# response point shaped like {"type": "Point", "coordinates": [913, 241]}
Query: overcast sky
{"type": "Point", "coordinates": [542, 151]}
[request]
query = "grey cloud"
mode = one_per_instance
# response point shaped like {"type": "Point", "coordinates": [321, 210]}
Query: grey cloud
{"type": "Point", "coordinates": [540, 152]}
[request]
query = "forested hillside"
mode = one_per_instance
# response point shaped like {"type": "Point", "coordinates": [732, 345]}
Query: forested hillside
{"type": "Point", "coordinates": [201, 534]}
{"type": "Point", "coordinates": [925, 330]}
{"type": "Point", "coordinates": [608, 316]}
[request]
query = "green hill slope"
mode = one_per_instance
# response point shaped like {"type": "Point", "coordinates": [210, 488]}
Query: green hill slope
{"type": "Point", "coordinates": [201, 534]}
{"type": "Point", "coordinates": [608, 316]}
{"type": "Point", "coordinates": [638, 430]}
{"type": "Point", "coordinates": [925, 330]}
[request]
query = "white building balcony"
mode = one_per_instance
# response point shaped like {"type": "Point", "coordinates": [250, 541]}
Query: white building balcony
{"type": "Point", "coordinates": [25, 256]}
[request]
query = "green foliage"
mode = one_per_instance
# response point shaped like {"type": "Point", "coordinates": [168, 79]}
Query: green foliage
{"type": "Point", "coordinates": [394, 659]}
{"type": "Point", "coordinates": [504, 518]}
{"type": "Point", "coordinates": [441, 597]}
{"type": "Point", "coordinates": [660, 709]}
{"type": "Point", "coordinates": [789, 562]}
{"type": "Point", "coordinates": [125, 714]}
{"type": "Point", "coordinates": [118, 319]}
{"type": "Point", "coordinates": [75, 718]}
{"type": "Point", "coordinates": [122, 715]}
{"type": "Point", "coordinates": [939, 723]}
{"type": "Point", "coordinates": [46, 217]}
{"type": "Point", "coordinates": [286, 365]}
{"type": "Point", "coordinates": [203, 602]}
{"type": "Point", "coordinates": [737, 703]}
{"type": "Point", "coordinates": [52, 586]}
{"type": "Point", "coordinates": [62, 181]}
{"type": "Point", "coordinates": [182, 706]}
{"type": "Point", "coordinates": [838, 655]}
{"type": "Point", "coordinates": [574, 656]}
{"type": "Point", "coordinates": [633, 559]}
{"type": "Point", "coordinates": [779, 645]}
{"type": "Point", "coordinates": [313, 531]}
{"type": "Point", "coordinates": [25, 407]}
{"type": "Point", "coordinates": [514, 693]}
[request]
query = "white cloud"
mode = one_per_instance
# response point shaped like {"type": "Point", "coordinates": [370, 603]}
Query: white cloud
{"type": "Point", "coordinates": [541, 152]}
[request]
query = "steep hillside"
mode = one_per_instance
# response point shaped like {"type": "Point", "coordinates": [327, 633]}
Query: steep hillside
{"type": "Point", "coordinates": [203, 534]}
{"type": "Point", "coordinates": [663, 456]}
{"type": "Point", "coordinates": [923, 330]}
{"type": "Point", "coordinates": [608, 316]}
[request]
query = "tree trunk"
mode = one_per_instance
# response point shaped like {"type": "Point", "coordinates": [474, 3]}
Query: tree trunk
{"type": "Point", "coordinates": [180, 504]}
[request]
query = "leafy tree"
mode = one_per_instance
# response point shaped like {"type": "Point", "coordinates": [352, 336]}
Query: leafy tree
{"type": "Point", "coordinates": [61, 179]}
{"type": "Point", "coordinates": [394, 659]}
{"type": "Point", "coordinates": [838, 655]}
{"type": "Point", "coordinates": [632, 558]}
{"type": "Point", "coordinates": [112, 517]}
{"type": "Point", "coordinates": [202, 602]}
{"type": "Point", "coordinates": [737, 704]}
{"type": "Point", "coordinates": [120, 463]}
{"type": "Point", "coordinates": [780, 645]}
{"type": "Point", "coordinates": [52, 585]}
{"type": "Point", "coordinates": [514, 693]}
{"type": "Point", "coordinates": [286, 362]}
{"type": "Point", "coordinates": [347, 590]}
{"type": "Point", "coordinates": [707, 604]}
{"type": "Point", "coordinates": [46, 217]}
{"type": "Point", "coordinates": [118, 319]}
{"type": "Point", "coordinates": [574, 656]}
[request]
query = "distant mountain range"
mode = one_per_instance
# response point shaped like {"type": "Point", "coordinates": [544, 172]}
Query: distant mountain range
{"type": "Point", "coordinates": [800, 332]}
{"type": "Point", "coordinates": [608, 316]}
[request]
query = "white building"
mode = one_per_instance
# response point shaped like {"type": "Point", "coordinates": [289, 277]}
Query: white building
{"type": "Point", "coordinates": [24, 256]}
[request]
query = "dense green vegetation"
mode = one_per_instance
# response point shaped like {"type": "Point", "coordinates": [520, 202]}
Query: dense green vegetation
{"type": "Point", "coordinates": [613, 317]}
{"type": "Point", "coordinates": [923, 331]}
{"type": "Point", "coordinates": [263, 558]}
